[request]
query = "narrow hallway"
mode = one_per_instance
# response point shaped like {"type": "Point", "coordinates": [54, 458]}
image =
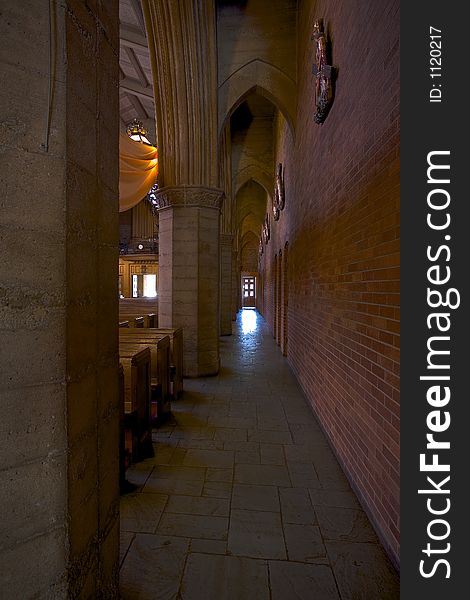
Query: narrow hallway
{"type": "Point", "coordinates": [244, 498]}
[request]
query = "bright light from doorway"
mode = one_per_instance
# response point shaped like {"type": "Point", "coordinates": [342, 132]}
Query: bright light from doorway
{"type": "Point", "coordinates": [249, 320]}
{"type": "Point", "coordinates": [150, 286]}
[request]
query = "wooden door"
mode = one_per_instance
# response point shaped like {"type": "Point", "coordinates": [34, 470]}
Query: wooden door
{"type": "Point", "coordinates": [249, 291]}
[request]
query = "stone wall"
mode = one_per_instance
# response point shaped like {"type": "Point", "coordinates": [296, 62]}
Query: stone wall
{"type": "Point", "coordinates": [342, 224]}
{"type": "Point", "coordinates": [58, 304]}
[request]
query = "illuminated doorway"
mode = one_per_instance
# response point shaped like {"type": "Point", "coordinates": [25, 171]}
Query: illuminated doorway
{"type": "Point", "coordinates": [144, 286]}
{"type": "Point", "coordinates": [249, 292]}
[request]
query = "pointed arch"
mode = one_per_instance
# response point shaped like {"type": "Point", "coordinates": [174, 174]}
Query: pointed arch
{"type": "Point", "coordinates": [255, 173]}
{"type": "Point", "coordinates": [260, 77]}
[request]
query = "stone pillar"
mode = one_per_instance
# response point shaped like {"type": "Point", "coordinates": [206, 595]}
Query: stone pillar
{"type": "Point", "coordinates": [236, 285]}
{"type": "Point", "coordinates": [59, 401]}
{"type": "Point", "coordinates": [189, 272]}
{"type": "Point", "coordinates": [226, 241]}
{"type": "Point", "coordinates": [182, 44]}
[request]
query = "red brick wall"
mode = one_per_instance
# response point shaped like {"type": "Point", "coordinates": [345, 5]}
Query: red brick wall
{"type": "Point", "coordinates": [342, 224]}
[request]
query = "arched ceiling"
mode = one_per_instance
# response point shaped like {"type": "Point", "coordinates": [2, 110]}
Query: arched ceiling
{"type": "Point", "coordinates": [251, 201]}
{"type": "Point", "coordinates": [136, 99]}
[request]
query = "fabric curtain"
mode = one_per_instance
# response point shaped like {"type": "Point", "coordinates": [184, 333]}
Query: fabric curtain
{"type": "Point", "coordinates": [138, 170]}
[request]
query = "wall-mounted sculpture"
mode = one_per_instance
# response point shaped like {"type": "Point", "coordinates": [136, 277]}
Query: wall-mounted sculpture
{"type": "Point", "coordinates": [276, 212]}
{"type": "Point", "coordinates": [279, 191]}
{"type": "Point", "coordinates": [266, 234]}
{"type": "Point", "coordinates": [324, 74]}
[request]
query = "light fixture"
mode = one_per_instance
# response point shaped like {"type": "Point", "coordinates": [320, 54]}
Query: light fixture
{"type": "Point", "coordinates": [140, 246]}
{"type": "Point", "coordinates": [137, 132]}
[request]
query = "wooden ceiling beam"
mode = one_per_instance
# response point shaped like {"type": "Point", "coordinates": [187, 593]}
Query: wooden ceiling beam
{"type": "Point", "coordinates": [137, 104]}
{"type": "Point", "coordinates": [132, 38]}
{"type": "Point", "coordinates": [135, 87]}
{"type": "Point", "coordinates": [137, 66]}
{"type": "Point", "coordinates": [137, 8]}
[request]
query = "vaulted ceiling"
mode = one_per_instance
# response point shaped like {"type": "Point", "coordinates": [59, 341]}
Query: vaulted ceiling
{"type": "Point", "coordinates": [135, 87]}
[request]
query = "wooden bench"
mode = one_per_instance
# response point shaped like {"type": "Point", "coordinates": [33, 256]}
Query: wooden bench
{"type": "Point", "coordinates": [122, 434]}
{"type": "Point", "coordinates": [138, 319]}
{"type": "Point", "coordinates": [176, 357]}
{"type": "Point", "coordinates": [160, 364]}
{"type": "Point", "coordinates": [136, 361]}
{"type": "Point", "coordinates": [176, 353]}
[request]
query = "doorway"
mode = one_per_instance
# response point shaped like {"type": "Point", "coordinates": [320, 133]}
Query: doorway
{"type": "Point", "coordinates": [249, 292]}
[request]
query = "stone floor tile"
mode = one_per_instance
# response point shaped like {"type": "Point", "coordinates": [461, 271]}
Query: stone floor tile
{"type": "Point", "coordinates": [289, 580]}
{"type": "Point", "coordinates": [262, 475]}
{"type": "Point", "coordinates": [269, 437]}
{"type": "Point", "coordinates": [304, 543]}
{"type": "Point", "coordinates": [272, 454]}
{"type": "Point", "coordinates": [255, 497]}
{"type": "Point", "coordinates": [140, 513]}
{"type": "Point", "coordinates": [345, 524]}
{"type": "Point", "coordinates": [228, 434]}
{"type": "Point", "coordinates": [219, 474]}
{"type": "Point", "coordinates": [225, 578]}
{"type": "Point", "coordinates": [153, 568]}
{"type": "Point", "coordinates": [247, 457]}
{"type": "Point", "coordinates": [209, 546]}
{"type": "Point", "coordinates": [241, 446]}
{"type": "Point", "coordinates": [363, 571]}
{"type": "Point", "coordinates": [303, 475]}
{"type": "Point", "coordinates": [296, 506]}
{"type": "Point", "coordinates": [201, 433]}
{"type": "Point", "coordinates": [256, 534]}
{"type": "Point", "coordinates": [197, 526]}
{"type": "Point", "coordinates": [193, 505]}
{"type": "Point", "coordinates": [299, 453]}
{"type": "Point", "coordinates": [178, 472]}
{"type": "Point", "coordinates": [208, 458]}
{"type": "Point", "coordinates": [336, 498]}
{"type": "Point", "coordinates": [272, 423]}
{"type": "Point", "coordinates": [178, 456]}
{"type": "Point", "coordinates": [217, 489]}
{"type": "Point", "coordinates": [156, 485]}
{"type": "Point", "coordinates": [231, 422]}
{"type": "Point", "coordinates": [201, 444]}
{"type": "Point", "coordinates": [163, 454]}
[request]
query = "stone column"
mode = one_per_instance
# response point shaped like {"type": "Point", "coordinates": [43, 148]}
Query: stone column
{"type": "Point", "coordinates": [226, 241]}
{"type": "Point", "coordinates": [182, 43]}
{"type": "Point", "coordinates": [236, 284]}
{"type": "Point", "coordinates": [189, 272]}
{"type": "Point", "coordinates": [59, 398]}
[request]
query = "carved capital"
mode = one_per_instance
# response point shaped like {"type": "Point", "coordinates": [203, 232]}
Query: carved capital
{"type": "Point", "coordinates": [189, 195]}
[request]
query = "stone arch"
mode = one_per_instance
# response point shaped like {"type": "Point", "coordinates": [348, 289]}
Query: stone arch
{"type": "Point", "coordinates": [258, 175]}
{"type": "Point", "coordinates": [260, 77]}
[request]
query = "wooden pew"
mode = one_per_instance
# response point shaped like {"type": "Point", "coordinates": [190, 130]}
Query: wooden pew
{"type": "Point", "coordinates": [176, 354]}
{"type": "Point", "coordinates": [122, 434]}
{"type": "Point", "coordinates": [135, 318]}
{"type": "Point", "coordinates": [133, 308]}
{"type": "Point", "coordinates": [135, 360]}
{"type": "Point", "coordinates": [160, 364]}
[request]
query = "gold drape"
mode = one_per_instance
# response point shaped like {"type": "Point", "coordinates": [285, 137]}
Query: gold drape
{"type": "Point", "coordinates": [138, 170]}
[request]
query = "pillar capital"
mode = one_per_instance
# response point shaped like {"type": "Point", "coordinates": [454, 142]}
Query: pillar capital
{"type": "Point", "coordinates": [189, 195]}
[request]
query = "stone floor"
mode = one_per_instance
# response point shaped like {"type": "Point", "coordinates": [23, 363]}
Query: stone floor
{"type": "Point", "coordinates": [244, 499]}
